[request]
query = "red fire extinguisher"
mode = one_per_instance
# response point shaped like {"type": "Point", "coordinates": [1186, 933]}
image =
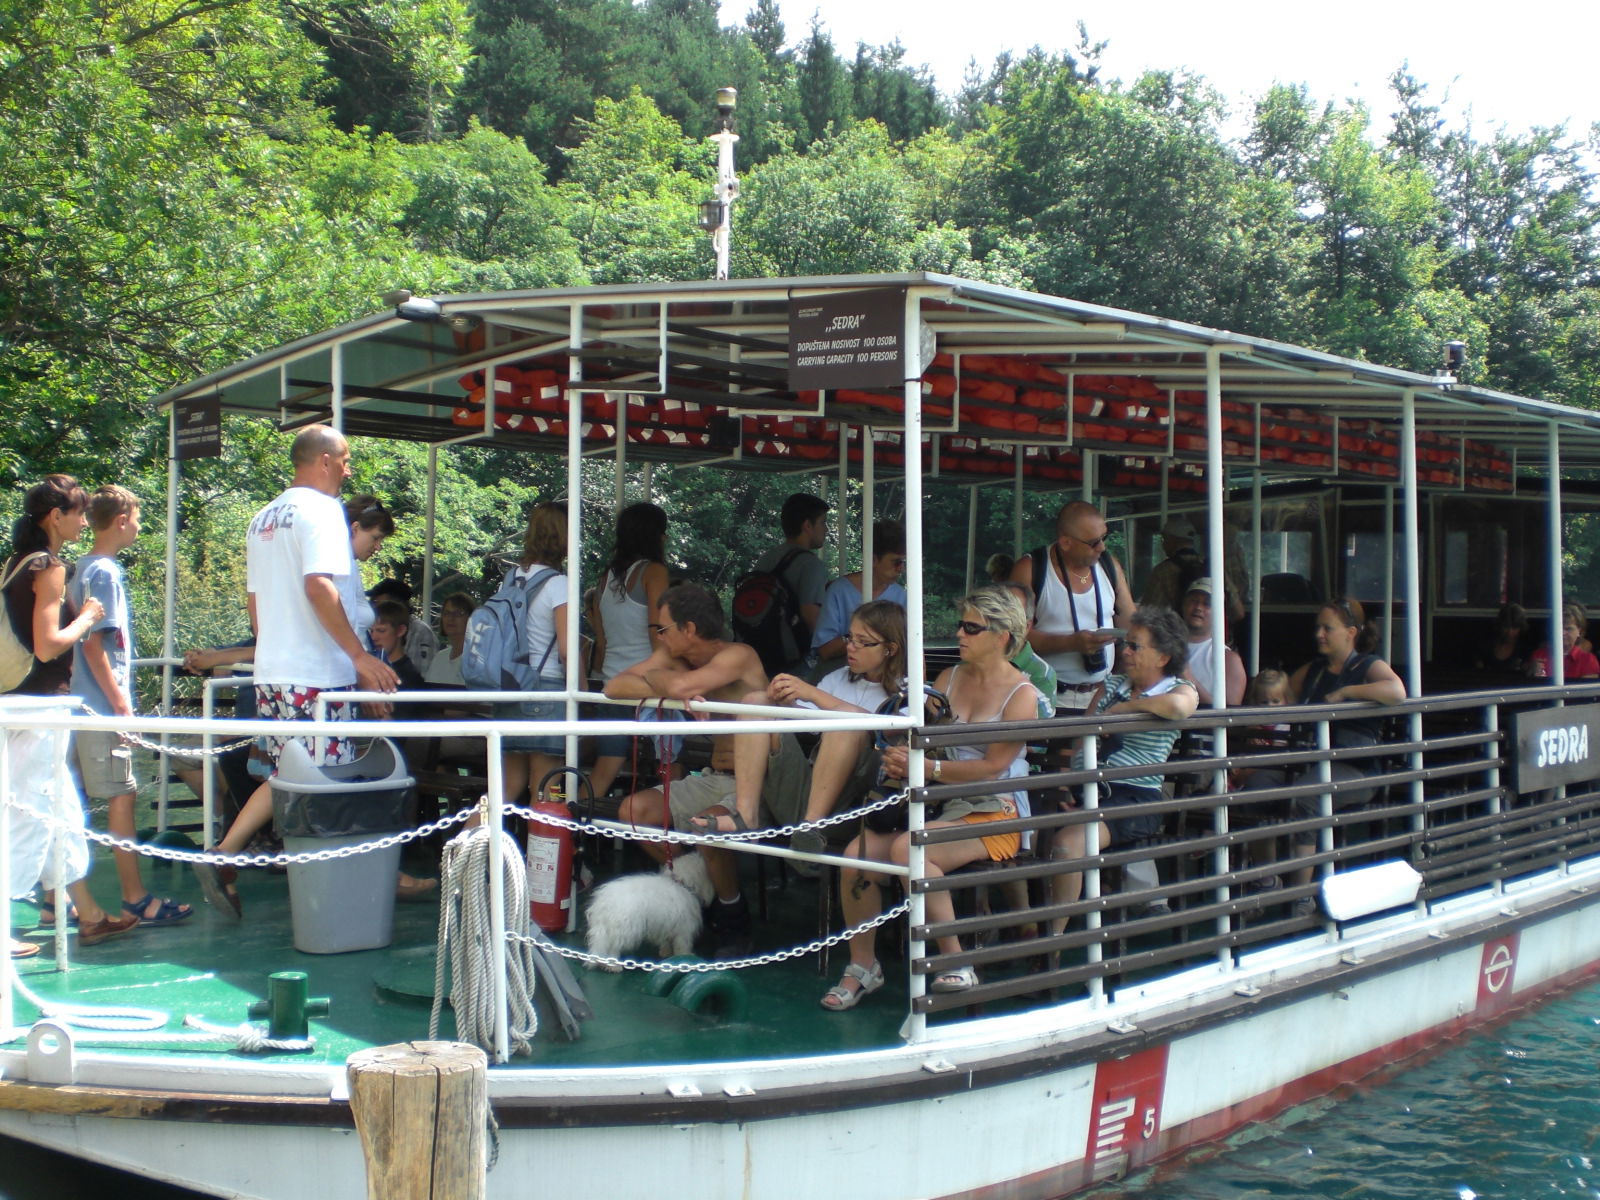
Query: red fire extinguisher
{"type": "Point", "coordinates": [550, 854]}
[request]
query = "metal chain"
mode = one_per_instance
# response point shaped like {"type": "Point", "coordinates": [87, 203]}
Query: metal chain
{"type": "Point", "coordinates": [655, 834]}
{"type": "Point", "coordinates": [185, 751]}
{"type": "Point", "coordinates": [175, 751]}
{"type": "Point", "coordinates": [253, 860]}
{"type": "Point", "coordinates": [731, 964]}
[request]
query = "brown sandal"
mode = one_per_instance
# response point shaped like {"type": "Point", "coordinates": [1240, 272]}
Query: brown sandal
{"type": "Point", "coordinates": [107, 926]}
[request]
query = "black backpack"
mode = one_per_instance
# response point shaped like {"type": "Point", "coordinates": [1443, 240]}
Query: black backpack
{"type": "Point", "coordinates": [766, 616]}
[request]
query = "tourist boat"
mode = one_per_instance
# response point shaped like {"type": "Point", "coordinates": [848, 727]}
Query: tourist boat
{"type": "Point", "coordinates": [1469, 888]}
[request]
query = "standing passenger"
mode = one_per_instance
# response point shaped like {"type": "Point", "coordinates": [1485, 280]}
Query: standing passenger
{"type": "Point", "coordinates": [40, 803]}
{"type": "Point", "coordinates": [628, 593]}
{"type": "Point", "coordinates": [1079, 598]}
{"type": "Point", "coordinates": [297, 554]}
{"type": "Point", "coordinates": [102, 676]}
{"type": "Point", "coordinates": [526, 759]}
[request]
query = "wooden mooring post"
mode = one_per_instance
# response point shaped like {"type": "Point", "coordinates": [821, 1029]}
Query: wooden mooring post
{"type": "Point", "coordinates": [422, 1110]}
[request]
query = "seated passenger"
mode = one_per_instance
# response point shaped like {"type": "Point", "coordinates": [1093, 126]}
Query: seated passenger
{"type": "Point", "coordinates": [1345, 669]}
{"type": "Point", "coordinates": [845, 595]}
{"type": "Point", "coordinates": [982, 687]}
{"type": "Point", "coordinates": [1506, 651]}
{"type": "Point", "coordinates": [1157, 652]}
{"type": "Point", "coordinates": [694, 660]}
{"type": "Point", "coordinates": [445, 669]}
{"type": "Point", "coordinates": [1577, 663]}
{"type": "Point", "coordinates": [845, 764]}
{"type": "Point", "coordinates": [391, 621]}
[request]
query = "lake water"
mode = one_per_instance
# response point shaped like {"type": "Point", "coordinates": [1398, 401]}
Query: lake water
{"type": "Point", "coordinates": [1508, 1115]}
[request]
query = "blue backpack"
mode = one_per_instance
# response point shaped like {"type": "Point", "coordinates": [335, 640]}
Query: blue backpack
{"type": "Point", "coordinates": [495, 656]}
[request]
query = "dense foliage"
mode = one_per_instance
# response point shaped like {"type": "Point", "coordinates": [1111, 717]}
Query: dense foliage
{"type": "Point", "coordinates": [186, 182]}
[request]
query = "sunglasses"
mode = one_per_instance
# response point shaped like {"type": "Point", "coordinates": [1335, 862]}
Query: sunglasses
{"type": "Point", "coordinates": [971, 628]}
{"type": "Point", "coordinates": [1134, 646]}
{"type": "Point", "coordinates": [1094, 545]}
{"type": "Point", "coordinates": [859, 644]}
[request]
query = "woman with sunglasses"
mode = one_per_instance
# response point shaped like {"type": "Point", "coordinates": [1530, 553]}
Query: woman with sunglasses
{"type": "Point", "coordinates": [845, 764]}
{"type": "Point", "coordinates": [982, 687]}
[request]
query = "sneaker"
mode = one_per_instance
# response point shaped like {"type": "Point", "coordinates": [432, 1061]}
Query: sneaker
{"type": "Point", "coordinates": [1157, 908]}
{"type": "Point", "coordinates": [1267, 883]}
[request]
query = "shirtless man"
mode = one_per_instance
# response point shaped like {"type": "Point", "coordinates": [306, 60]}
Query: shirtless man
{"type": "Point", "coordinates": [693, 660]}
{"type": "Point", "coordinates": [1079, 594]}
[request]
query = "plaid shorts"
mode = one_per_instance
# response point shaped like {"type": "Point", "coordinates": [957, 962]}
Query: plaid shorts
{"type": "Point", "coordinates": [296, 702]}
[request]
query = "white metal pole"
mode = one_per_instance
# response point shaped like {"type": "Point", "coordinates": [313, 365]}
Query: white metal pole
{"type": "Point", "coordinates": [916, 666]}
{"type": "Point", "coordinates": [841, 509]}
{"type": "Point", "coordinates": [1016, 506]}
{"type": "Point", "coordinates": [869, 506]}
{"type": "Point", "coordinates": [574, 664]}
{"type": "Point", "coordinates": [1558, 666]}
{"type": "Point", "coordinates": [169, 638]}
{"type": "Point", "coordinates": [336, 384]}
{"type": "Point", "coordinates": [1412, 544]}
{"type": "Point", "coordinates": [1413, 582]}
{"type": "Point", "coordinates": [1388, 547]}
{"type": "Point", "coordinates": [8, 1017]}
{"type": "Point", "coordinates": [1216, 498]}
{"type": "Point", "coordinates": [429, 521]}
{"type": "Point", "coordinates": [1255, 583]}
{"type": "Point", "coordinates": [495, 818]}
{"type": "Point", "coordinates": [972, 534]}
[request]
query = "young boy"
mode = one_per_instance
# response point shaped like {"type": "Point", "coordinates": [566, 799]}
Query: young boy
{"type": "Point", "coordinates": [391, 621]}
{"type": "Point", "coordinates": [102, 674]}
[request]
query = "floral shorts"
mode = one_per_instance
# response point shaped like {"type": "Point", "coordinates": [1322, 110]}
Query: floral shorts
{"type": "Point", "coordinates": [297, 702]}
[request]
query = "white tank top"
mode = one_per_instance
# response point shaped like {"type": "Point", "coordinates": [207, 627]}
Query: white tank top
{"type": "Point", "coordinates": [1055, 616]}
{"type": "Point", "coordinates": [626, 621]}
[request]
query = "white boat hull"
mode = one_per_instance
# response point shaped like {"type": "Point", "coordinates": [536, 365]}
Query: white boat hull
{"type": "Point", "coordinates": [1034, 1104]}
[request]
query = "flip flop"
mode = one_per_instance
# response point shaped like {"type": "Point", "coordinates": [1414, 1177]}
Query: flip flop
{"type": "Point", "coordinates": [216, 884]}
{"type": "Point", "coordinates": [106, 927]}
{"type": "Point", "coordinates": [169, 912]}
{"type": "Point", "coordinates": [23, 949]}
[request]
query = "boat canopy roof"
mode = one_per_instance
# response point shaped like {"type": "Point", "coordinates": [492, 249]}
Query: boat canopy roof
{"type": "Point", "coordinates": [737, 372]}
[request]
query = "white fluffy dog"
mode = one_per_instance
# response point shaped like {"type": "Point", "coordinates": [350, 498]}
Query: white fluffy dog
{"type": "Point", "coordinates": [661, 910]}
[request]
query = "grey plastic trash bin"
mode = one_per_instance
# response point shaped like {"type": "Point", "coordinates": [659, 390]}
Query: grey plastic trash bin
{"type": "Point", "coordinates": [341, 904]}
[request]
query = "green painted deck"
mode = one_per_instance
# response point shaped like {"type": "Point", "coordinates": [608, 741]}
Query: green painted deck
{"type": "Point", "coordinates": [214, 968]}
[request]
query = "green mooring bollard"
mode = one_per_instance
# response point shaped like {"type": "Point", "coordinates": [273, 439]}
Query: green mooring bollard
{"type": "Point", "coordinates": [289, 1006]}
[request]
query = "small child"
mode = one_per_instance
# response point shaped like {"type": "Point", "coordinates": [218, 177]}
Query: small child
{"type": "Point", "coordinates": [102, 675]}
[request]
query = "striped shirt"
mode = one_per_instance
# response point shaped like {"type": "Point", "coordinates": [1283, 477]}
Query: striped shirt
{"type": "Point", "coordinates": [1148, 746]}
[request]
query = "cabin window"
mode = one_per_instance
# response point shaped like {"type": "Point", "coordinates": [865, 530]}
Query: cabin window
{"type": "Point", "coordinates": [1290, 563]}
{"type": "Point", "coordinates": [1487, 552]}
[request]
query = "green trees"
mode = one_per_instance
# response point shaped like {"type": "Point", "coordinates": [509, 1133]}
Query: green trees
{"type": "Point", "coordinates": [186, 182]}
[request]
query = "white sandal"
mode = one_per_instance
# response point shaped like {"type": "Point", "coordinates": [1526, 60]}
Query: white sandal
{"type": "Point", "coordinates": [840, 998]}
{"type": "Point", "coordinates": [958, 980]}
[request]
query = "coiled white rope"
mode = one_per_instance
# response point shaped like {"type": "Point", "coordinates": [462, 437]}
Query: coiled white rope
{"type": "Point", "coordinates": [466, 942]}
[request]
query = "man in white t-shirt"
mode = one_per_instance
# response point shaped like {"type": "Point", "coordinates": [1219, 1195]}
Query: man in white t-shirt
{"type": "Point", "coordinates": [297, 552]}
{"type": "Point", "coordinates": [1082, 599]}
{"type": "Point", "coordinates": [1196, 610]}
